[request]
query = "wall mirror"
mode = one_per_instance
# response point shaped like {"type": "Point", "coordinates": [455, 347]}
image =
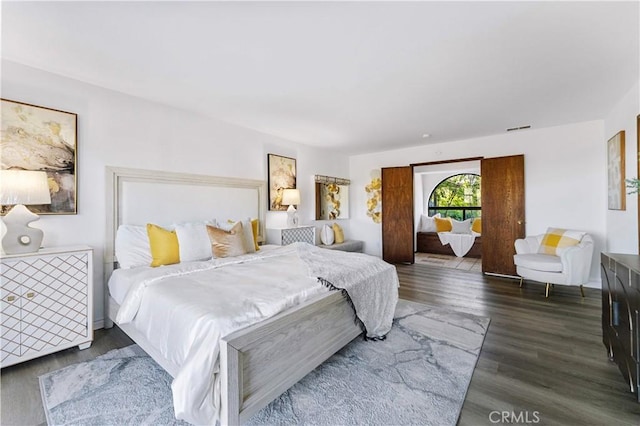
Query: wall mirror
{"type": "Point", "coordinates": [332, 198]}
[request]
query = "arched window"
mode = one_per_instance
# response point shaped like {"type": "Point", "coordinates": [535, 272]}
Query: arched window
{"type": "Point", "coordinates": [457, 197]}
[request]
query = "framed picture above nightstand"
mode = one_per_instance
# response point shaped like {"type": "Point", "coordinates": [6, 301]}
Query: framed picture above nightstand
{"type": "Point", "coordinates": [285, 236]}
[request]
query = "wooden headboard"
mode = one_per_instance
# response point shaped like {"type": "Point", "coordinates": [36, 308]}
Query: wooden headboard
{"type": "Point", "coordinates": [138, 197]}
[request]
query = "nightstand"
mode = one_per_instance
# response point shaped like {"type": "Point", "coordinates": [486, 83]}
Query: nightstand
{"type": "Point", "coordinates": [46, 300]}
{"type": "Point", "coordinates": [284, 236]}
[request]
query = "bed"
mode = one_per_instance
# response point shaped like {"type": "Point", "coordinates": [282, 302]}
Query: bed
{"type": "Point", "coordinates": [257, 362]}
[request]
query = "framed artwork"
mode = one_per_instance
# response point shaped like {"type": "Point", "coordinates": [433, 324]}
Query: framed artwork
{"type": "Point", "coordinates": [282, 175]}
{"type": "Point", "coordinates": [615, 171]}
{"type": "Point", "coordinates": [45, 139]}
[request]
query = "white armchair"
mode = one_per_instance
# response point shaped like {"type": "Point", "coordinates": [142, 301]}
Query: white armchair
{"type": "Point", "coordinates": [570, 267]}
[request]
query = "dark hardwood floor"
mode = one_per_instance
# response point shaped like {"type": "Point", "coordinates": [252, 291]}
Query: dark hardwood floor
{"type": "Point", "coordinates": [540, 355]}
{"type": "Point", "coordinates": [542, 359]}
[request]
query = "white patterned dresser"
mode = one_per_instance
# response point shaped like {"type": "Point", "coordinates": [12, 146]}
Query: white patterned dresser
{"type": "Point", "coordinates": [46, 303]}
{"type": "Point", "coordinates": [285, 236]}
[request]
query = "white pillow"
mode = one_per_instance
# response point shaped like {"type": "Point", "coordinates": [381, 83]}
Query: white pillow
{"type": "Point", "coordinates": [249, 244]}
{"type": "Point", "coordinates": [427, 224]}
{"type": "Point", "coordinates": [327, 235]}
{"type": "Point", "coordinates": [132, 246]}
{"type": "Point", "coordinates": [463, 227]}
{"type": "Point", "coordinates": [193, 241]}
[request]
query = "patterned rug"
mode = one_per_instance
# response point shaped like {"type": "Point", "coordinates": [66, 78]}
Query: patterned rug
{"type": "Point", "coordinates": [418, 375]}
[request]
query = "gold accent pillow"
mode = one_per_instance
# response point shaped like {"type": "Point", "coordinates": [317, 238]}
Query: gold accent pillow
{"type": "Point", "coordinates": [338, 234]}
{"type": "Point", "coordinates": [477, 225]}
{"type": "Point", "coordinates": [254, 229]}
{"type": "Point", "coordinates": [165, 249]}
{"type": "Point", "coordinates": [443, 224]}
{"type": "Point", "coordinates": [227, 243]}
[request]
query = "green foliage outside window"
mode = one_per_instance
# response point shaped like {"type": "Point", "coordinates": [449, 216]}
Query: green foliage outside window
{"type": "Point", "coordinates": [462, 191]}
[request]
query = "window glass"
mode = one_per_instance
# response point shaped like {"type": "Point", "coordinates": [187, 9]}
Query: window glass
{"type": "Point", "coordinates": [457, 197]}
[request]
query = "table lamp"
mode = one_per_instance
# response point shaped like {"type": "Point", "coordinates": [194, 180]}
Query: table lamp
{"type": "Point", "coordinates": [291, 197]}
{"type": "Point", "coordinates": [22, 187]}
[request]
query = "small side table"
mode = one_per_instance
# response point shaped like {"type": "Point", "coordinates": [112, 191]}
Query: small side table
{"type": "Point", "coordinates": [46, 300]}
{"type": "Point", "coordinates": [285, 236]}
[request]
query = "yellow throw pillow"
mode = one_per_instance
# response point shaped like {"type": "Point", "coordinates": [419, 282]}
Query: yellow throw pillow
{"type": "Point", "coordinates": [443, 224]}
{"type": "Point", "coordinates": [477, 225]}
{"type": "Point", "coordinates": [165, 249]}
{"type": "Point", "coordinates": [338, 234]}
{"type": "Point", "coordinates": [557, 238]}
{"type": "Point", "coordinates": [227, 243]}
{"type": "Point", "coordinates": [254, 228]}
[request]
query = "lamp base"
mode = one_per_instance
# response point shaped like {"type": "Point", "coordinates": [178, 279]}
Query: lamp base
{"type": "Point", "coordinates": [20, 237]}
{"type": "Point", "coordinates": [292, 217]}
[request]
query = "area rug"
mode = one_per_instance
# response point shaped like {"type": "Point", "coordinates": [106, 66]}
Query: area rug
{"type": "Point", "coordinates": [418, 375]}
{"type": "Point", "coordinates": [452, 262]}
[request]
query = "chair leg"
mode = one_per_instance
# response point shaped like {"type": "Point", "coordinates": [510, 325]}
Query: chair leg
{"type": "Point", "coordinates": [546, 290]}
{"type": "Point", "coordinates": [521, 280]}
{"type": "Point", "coordinates": [582, 291]}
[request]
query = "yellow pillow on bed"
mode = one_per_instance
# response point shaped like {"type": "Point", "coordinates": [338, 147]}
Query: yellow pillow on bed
{"type": "Point", "coordinates": [165, 249]}
{"type": "Point", "coordinates": [443, 224]}
{"type": "Point", "coordinates": [254, 228]}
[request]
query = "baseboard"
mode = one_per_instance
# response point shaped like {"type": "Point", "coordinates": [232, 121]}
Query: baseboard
{"type": "Point", "coordinates": [594, 284]}
{"type": "Point", "coordinates": [97, 324]}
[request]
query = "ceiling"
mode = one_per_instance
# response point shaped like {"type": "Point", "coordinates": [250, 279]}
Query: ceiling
{"type": "Point", "coordinates": [357, 77]}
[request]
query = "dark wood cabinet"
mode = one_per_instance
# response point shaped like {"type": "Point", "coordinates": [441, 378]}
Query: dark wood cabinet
{"type": "Point", "coordinates": [620, 314]}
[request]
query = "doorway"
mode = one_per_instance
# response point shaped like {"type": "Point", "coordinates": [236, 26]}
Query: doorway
{"type": "Point", "coordinates": [448, 190]}
{"type": "Point", "coordinates": [502, 212]}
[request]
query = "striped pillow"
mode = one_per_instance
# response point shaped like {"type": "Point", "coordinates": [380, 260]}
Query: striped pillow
{"type": "Point", "coordinates": [557, 238]}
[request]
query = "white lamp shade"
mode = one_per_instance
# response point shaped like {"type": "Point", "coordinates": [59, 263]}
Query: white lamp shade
{"type": "Point", "coordinates": [24, 187]}
{"type": "Point", "coordinates": [290, 197]}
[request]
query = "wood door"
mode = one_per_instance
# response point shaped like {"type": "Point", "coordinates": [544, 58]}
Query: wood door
{"type": "Point", "coordinates": [502, 212]}
{"type": "Point", "coordinates": [397, 214]}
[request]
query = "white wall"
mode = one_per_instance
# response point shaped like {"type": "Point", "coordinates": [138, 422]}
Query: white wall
{"type": "Point", "coordinates": [565, 178]}
{"type": "Point", "coordinates": [622, 225]}
{"type": "Point", "coordinates": [119, 130]}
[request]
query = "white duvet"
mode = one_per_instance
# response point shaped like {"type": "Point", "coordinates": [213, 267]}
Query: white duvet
{"type": "Point", "coordinates": [184, 309]}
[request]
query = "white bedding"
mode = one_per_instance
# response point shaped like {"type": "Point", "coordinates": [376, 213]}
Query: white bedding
{"type": "Point", "coordinates": [219, 299]}
{"type": "Point", "coordinates": [122, 280]}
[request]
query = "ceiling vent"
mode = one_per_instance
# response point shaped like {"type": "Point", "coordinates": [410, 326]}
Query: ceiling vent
{"type": "Point", "coordinates": [513, 129]}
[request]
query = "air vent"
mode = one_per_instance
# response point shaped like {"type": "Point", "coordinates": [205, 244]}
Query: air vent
{"type": "Point", "coordinates": [513, 129]}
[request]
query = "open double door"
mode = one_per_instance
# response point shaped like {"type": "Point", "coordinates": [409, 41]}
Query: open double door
{"type": "Point", "coordinates": [503, 213]}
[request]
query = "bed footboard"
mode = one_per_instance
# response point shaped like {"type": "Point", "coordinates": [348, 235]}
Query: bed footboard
{"type": "Point", "coordinates": [260, 362]}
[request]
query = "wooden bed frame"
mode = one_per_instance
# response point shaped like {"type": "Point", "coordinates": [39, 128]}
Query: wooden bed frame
{"type": "Point", "coordinates": [257, 363]}
{"type": "Point", "coordinates": [429, 242]}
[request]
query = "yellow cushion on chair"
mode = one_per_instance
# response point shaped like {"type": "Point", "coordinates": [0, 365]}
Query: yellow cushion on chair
{"type": "Point", "coordinates": [165, 249]}
{"type": "Point", "coordinates": [557, 238]}
{"type": "Point", "coordinates": [443, 224]}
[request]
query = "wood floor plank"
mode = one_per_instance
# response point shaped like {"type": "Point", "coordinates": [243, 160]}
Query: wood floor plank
{"type": "Point", "coordinates": [540, 354]}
